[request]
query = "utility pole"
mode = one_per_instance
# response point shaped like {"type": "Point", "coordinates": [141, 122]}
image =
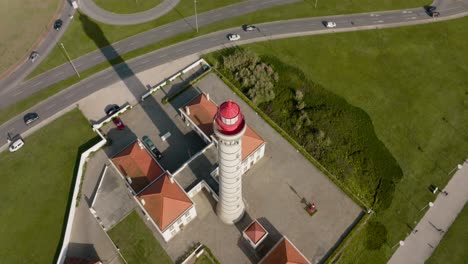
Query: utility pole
{"type": "Point", "coordinates": [68, 57]}
{"type": "Point", "coordinates": [196, 16]}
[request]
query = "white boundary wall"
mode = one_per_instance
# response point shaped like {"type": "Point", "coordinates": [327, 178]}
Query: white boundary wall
{"type": "Point", "coordinates": [76, 189]}
{"type": "Point", "coordinates": [173, 77]}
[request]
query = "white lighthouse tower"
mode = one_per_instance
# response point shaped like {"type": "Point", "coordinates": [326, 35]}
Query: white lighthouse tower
{"type": "Point", "coordinates": [229, 127]}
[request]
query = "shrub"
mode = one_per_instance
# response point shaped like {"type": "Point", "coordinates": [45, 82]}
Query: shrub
{"type": "Point", "coordinates": [376, 235]}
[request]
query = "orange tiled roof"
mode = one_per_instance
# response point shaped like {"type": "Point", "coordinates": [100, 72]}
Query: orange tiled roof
{"type": "Point", "coordinates": [255, 232]}
{"type": "Point", "coordinates": [136, 163]}
{"type": "Point", "coordinates": [284, 252]}
{"type": "Point", "coordinates": [202, 112]}
{"type": "Point", "coordinates": [165, 201]}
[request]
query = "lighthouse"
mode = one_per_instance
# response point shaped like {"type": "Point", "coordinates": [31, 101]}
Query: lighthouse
{"type": "Point", "coordinates": [229, 127]}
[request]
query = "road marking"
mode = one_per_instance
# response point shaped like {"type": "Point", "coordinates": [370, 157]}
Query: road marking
{"type": "Point", "coordinates": [145, 61]}
{"type": "Point", "coordinates": [50, 106]}
{"type": "Point", "coordinates": [18, 92]}
{"type": "Point", "coordinates": [38, 83]}
{"type": "Point", "coordinates": [58, 74]}
{"type": "Point", "coordinates": [378, 21]}
{"type": "Point", "coordinates": [407, 11]}
{"type": "Point", "coordinates": [374, 15]}
{"type": "Point", "coordinates": [71, 94]}
{"type": "Point", "coordinates": [411, 17]}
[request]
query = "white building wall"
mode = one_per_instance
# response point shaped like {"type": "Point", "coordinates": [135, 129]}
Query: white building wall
{"type": "Point", "coordinates": [176, 226]}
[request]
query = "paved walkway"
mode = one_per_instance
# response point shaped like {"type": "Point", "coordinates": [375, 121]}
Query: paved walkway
{"type": "Point", "coordinates": [92, 10]}
{"type": "Point", "coordinates": [420, 244]}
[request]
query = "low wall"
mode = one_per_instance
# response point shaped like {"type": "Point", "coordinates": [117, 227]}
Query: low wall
{"type": "Point", "coordinates": [173, 77]}
{"type": "Point", "coordinates": [76, 189]}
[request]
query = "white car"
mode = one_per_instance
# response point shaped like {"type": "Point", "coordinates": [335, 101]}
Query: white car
{"type": "Point", "coordinates": [15, 145]}
{"type": "Point", "coordinates": [330, 24]}
{"type": "Point", "coordinates": [233, 37]}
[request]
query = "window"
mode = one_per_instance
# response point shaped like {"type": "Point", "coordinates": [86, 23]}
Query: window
{"type": "Point", "coordinates": [179, 221]}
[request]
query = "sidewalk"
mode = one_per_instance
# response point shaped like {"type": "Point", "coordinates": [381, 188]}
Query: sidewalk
{"type": "Point", "coordinates": [420, 244]}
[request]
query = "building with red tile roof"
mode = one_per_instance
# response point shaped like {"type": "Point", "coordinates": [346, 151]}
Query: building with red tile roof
{"type": "Point", "coordinates": [137, 166]}
{"type": "Point", "coordinates": [255, 233]}
{"type": "Point", "coordinates": [165, 201]}
{"type": "Point", "coordinates": [284, 252]}
{"type": "Point", "coordinates": [199, 113]}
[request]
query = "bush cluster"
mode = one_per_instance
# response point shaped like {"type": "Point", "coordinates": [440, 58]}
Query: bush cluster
{"type": "Point", "coordinates": [340, 136]}
{"type": "Point", "coordinates": [255, 77]}
{"type": "Point", "coordinates": [376, 235]}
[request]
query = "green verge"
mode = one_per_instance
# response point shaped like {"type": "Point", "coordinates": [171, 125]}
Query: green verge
{"type": "Point", "coordinates": [79, 43]}
{"type": "Point", "coordinates": [452, 248]}
{"type": "Point", "coordinates": [37, 185]}
{"type": "Point", "coordinates": [136, 242]}
{"type": "Point", "coordinates": [127, 6]}
{"type": "Point", "coordinates": [412, 86]}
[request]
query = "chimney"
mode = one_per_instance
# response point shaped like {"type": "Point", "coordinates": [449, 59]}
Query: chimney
{"type": "Point", "coordinates": [171, 178]}
{"type": "Point", "coordinates": [207, 96]}
{"type": "Point", "coordinates": [187, 110]}
{"type": "Point", "coordinates": [141, 145]}
{"type": "Point", "coordinates": [143, 202]}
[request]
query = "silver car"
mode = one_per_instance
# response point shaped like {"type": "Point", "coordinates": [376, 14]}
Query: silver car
{"type": "Point", "coordinates": [34, 55]}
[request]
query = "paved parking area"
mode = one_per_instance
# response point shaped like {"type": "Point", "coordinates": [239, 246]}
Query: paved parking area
{"type": "Point", "coordinates": [273, 190]}
{"type": "Point", "coordinates": [153, 119]}
{"type": "Point", "coordinates": [113, 200]}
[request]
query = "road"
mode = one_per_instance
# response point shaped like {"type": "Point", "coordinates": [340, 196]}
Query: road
{"type": "Point", "coordinates": [44, 47]}
{"type": "Point", "coordinates": [92, 10]}
{"type": "Point", "coordinates": [11, 88]}
{"type": "Point", "coordinates": [205, 44]}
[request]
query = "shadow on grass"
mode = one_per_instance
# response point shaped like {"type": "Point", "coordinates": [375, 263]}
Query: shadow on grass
{"type": "Point", "coordinates": [80, 151]}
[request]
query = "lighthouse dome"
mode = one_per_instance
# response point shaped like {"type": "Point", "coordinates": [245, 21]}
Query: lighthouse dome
{"type": "Point", "coordinates": [229, 118]}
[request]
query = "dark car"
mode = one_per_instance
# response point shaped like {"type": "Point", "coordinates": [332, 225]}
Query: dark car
{"type": "Point", "coordinates": [249, 27]}
{"type": "Point", "coordinates": [112, 110]}
{"type": "Point", "coordinates": [30, 117]}
{"type": "Point", "coordinates": [431, 8]}
{"type": "Point", "coordinates": [58, 24]}
{"type": "Point", "coordinates": [152, 147]}
{"type": "Point", "coordinates": [118, 123]}
{"type": "Point", "coordinates": [34, 55]}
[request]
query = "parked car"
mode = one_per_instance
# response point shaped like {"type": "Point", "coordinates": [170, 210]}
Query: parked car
{"type": "Point", "coordinates": [34, 55]}
{"type": "Point", "coordinates": [431, 8]}
{"type": "Point", "coordinates": [118, 123]}
{"type": "Point", "coordinates": [249, 27]}
{"type": "Point", "coordinates": [152, 147]}
{"type": "Point", "coordinates": [233, 37]}
{"type": "Point", "coordinates": [329, 24]}
{"type": "Point", "coordinates": [58, 24]}
{"type": "Point", "coordinates": [30, 117]}
{"type": "Point", "coordinates": [112, 110]}
{"type": "Point", "coordinates": [15, 145]}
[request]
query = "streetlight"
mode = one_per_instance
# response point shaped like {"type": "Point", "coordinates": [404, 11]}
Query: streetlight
{"type": "Point", "coordinates": [430, 204]}
{"type": "Point", "coordinates": [401, 243]}
{"type": "Point", "coordinates": [68, 57]}
{"type": "Point", "coordinates": [196, 16]}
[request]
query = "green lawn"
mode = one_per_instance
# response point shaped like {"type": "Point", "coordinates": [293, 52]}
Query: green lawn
{"type": "Point", "coordinates": [452, 248]}
{"type": "Point", "coordinates": [413, 87]}
{"type": "Point", "coordinates": [127, 6]}
{"type": "Point", "coordinates": [36, 187]}
{"type": "Point", "coordinates": [136, 243]}
{"type": "Point", "coordinates": [78, 43]}
{"type": "Point", "coordinates": [23, 22]}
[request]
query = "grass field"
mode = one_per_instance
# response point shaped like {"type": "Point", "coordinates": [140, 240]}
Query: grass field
{"type": "Point", "coordinates": [136, 243]}
{"type": "Point", "coordinates": [22, 24]}
{"type": "Point", "coordinates": [127, 6]}
{"type": "Point", "coordinates": [36, 188]}
{"type": "Point", "coordinates": [452, 248]}
{"type": "Point", "coordinates": [78, 43]}
{"type": "Point", "coordinates": [413, 87]}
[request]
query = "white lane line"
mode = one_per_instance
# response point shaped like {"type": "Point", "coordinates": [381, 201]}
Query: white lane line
{"type": "Point", "coordinates": [374, 15]}
{"type": "Point", "coordinates": [50, 106]}
{"type": "Point", "coordinates": [162, 55]}
{"type": "Point", "coordinates": [18, 93]}
{"type": "Point", "coordinates": [145, 61]}
{"type": "Point", "coordinates": [71, 94]}
{"type": "Point", "coordinates": [407, 11]}
{"type": "Point", "coordinates": [179, 50]}
{"type": "Point", "coordinates": [58, 74]}
{"type": "Point", "coordinates": [410, 18]}
{"type": "Point", "coordinates": [378, 21]}
{"type": "Point", "coordinates": [35, 84]}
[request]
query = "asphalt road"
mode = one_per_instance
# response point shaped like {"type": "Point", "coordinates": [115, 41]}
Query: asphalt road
{"type": "Point", "coordinates": [45, 46]}
{"type": "Point", "coordinates": [212, 42]}
{"type": "Point", "coordinates": [12, 90]}
{"type": "Point", "coordinates": [91, 9]}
